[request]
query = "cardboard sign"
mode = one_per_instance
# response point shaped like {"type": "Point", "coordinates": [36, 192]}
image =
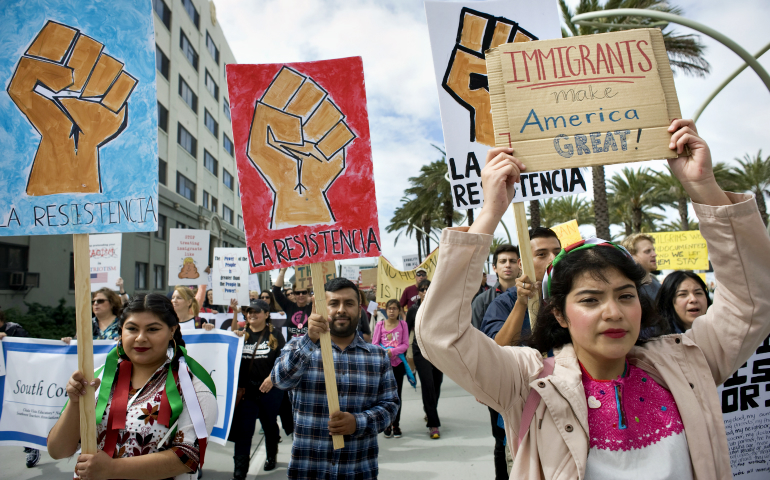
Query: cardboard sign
{"type": "Point", "coordinates": [459, 35]}
{"type": "Point", "coordinates": [78, 118]}
{"type": "Point", "coordinates": [568, 233]}
{"type": "Point", "coordinates": [585, 100]}
{"type": "Point", "coordinates": [303, 280]}
{"type": "Point", "coordinates": [351, 272]}
{"type": "Point", "coordinates": [410, 261]}
{"type": "Point", "coordinates": [105, 253]}
{"type": "Point", "coordinates": [188, 256]}
{"type": "Point", "coordinates": [746, 411]}
{"type": "Point", "coordinates": [392, 282]}
{"type": "Point", "coordinates": [230, 274]}
{"type": "Point", "coordinates": [304, 160]}
{"type": "Point", "coordinates": [681, 250]}
{"type": "Point", "coordinates": [368, 279]}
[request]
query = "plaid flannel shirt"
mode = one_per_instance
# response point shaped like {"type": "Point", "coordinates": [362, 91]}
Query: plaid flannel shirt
{"type": "Point", "coordinates": [366, 388]}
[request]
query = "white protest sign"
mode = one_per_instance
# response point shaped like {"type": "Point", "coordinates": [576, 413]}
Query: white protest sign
{"type": "Point", "coordinates": [550, 184]}
{"type": "Point", "coordinates": [491, 279]}
{"type": "Point", "coordinates": [254, 283]}
{"type": "Point", "coordinates": [230, 276]}
{"type": "Point", "coordinates": [410, 262]}
{"type": "Point", "coordinates": [105, 260]}
{"type": "Point", "coordinates": [746, 411]}
{"type": "Point", "coordinates": [32, 392]}
{"type": "Point", "coordinates": [372, 308]}
{"type": "Point", "coordinates": [459, 35]}
{"type": "Point", "coordinates": [351, 272]}
{"type": "Point", "coordinates": [188, 256]}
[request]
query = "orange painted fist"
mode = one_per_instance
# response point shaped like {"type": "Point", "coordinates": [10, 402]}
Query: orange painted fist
{"type": "Point", "coordinates": [75, 96]}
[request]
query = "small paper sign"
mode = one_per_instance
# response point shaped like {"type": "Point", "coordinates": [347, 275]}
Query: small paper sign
{"type": "Point", "coordinates": [188, 256]}
{"type": "Point", "coordinates": [230, 276]}
{"type": "Point", "coordinates": [105, 260]}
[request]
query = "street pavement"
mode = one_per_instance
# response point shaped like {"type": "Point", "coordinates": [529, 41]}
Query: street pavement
{"type": "Point", "coordinates": [464, 450]}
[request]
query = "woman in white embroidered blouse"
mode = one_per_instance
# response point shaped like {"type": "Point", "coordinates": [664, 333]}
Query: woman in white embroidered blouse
{"type": "Point", "coordinates": [145, 428]}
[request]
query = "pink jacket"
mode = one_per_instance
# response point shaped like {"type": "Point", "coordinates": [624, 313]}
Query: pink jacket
{"type": "Point", "coordinates": [690, 366]}
{"type": "Point", "coordinates": [378, 338]}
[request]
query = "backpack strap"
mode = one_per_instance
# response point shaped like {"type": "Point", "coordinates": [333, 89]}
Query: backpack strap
{"type": "Point", "coordinates": [533, 400]}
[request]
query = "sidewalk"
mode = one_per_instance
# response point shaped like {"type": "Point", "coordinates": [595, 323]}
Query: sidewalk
{"type": "Point", "coordinates": [463, 451]}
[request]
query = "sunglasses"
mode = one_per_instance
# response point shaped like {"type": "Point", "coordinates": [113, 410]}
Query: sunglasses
{"type": "Point", "coordinates": [99, 301]}
{"type": "Point", "coordinates": [423, 289]}
{"type": "Point", "coordinates": [421, 274]}
{"type": "Point", "coordinates": [300, 292]}
{"type": "Point", "coordinates": [289, 293]}
{"type": "Point", "coordinates": [265, 298]}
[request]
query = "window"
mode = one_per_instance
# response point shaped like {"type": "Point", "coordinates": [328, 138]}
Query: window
{"type": "Point", "coordinates": [161, 233]}
{"type": "Point", "coordinates": [140, 273]}
{"type": "Point", "coordinates": [210, 123]}
{"type": "Point", "coordinates": [13, 258]}
{"type": "Point", "coordinates": [206, 199]}
{"type": "Point", "coordinates": [185, 187]}
{"type": "Point", "coordinates": [241, 226]}
{"type": "Point", "coordinates": [162, 172]}
{"type": "Point", "coordinates": [187, 141]}
{"type": "Point", "coordinates": [212, 48]}
{"type": "Point", "coordinates": [192, 12]}
{"type": "Point", "coordinates": [188, 50]}
{"type": "Point", "coordinates": [163, 12]}
{"type": "Point", "coordinates": [162, 62]}
{"type": "Point", "coordinates": [211, 85]}
{"type": "Point", "coordinates": [188, 95]}
{"type": "Point", "coordinates": [162, 117]}
{"type": "Point", "coordinates": [227, 214]}
{"type": "Point", "coordinates": [160, 276]}
{"type": "Point", "coordinates": [227, 179]}
{"type": "Point", "coordinates": [210, 162]}
{"type": "Point", "coordinates": [214, 204]}
{"type": "Point", "coordinates": [226, 108]}
{"type": "Point", "coordinates": [180, 225]}
{"type": "Point", "coordinates": [228, 144]}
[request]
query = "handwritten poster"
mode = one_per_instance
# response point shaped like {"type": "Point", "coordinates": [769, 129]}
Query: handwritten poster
{"type": "Point", "coordinates": [746, 410]}
{"type": "Point", "coordinates": [567, 232]}
{"type": "Point", "coordinates": [351, 272]}
{"type": "Point", "coordinates": [410, 262]}
{"type": "Point", "coordinates": [303, 279]}
{"type": "Point", "coordinates": [681, 250]}
{"type": "Point", "coordinates": [368, 278]}
{"type": "Point", "coordinates": [230, 276]}
{"type": "Point", "coordinates": [391, 282]}
{"type": "Point", "coordinates": [188, 256]}
{"type": "Point", "coordinates": [105, 260]}
{"type": "Point", "coordinates": [78, 118]}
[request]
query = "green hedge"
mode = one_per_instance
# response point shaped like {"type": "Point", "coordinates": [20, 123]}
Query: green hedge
{"type": "Point", "coordinates": [43, 321]}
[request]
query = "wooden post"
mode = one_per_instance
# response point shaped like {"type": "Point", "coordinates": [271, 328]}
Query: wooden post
{"type": "Point", "coordinates": [317, 274]}
{"type": "Point", "coordinates": [527, 261]}
{"type": "Point", "coordinates": [85, 340]}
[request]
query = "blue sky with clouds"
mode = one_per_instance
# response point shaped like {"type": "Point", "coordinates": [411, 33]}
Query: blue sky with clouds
{"type": "Point", "coordinates": [392, 38]}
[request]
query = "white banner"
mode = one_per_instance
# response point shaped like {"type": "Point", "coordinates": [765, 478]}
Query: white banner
{"type": "Point", "coordinates": [105, 260]}
{"type": "Point", "coordinates": [188, 256]}
{"type": "Point", "coordinates": [351, 272]}
{"type": "Point", "coordinates": [410, 262]}
{"type": "Point", "coordinates": [459, 35]}
{"type": "Point", "coordinates": [32, 392]}
{"type": "Point", "coordinates": [746, 411]}
{"type": "Point", "coordinates": [230, 276]}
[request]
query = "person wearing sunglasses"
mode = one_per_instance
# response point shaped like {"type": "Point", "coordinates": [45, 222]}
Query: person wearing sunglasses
{"type": "Point", "coordinates": [296, 311]}
{"type": "Point", "coordinates": [410, 295]}
{"type": "Point", "coordinates": [106, 306]}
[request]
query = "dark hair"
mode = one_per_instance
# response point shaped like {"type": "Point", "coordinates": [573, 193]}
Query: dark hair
{"type": "Point", "coordinates": [160, 306]}
{"type": "Point", "coordinates": [261, 305]}
{"type": "Point", "coordinates": [506, 247]}
{"type": "Point", "coordinates": [667, 294]}
{"type": "Point", "coordinates": [341, 283]}
{"type": "Point", "coordinates": [206, 303]}
{"type": "Point", "coordinates": [424, 283]}
{"type": "Point", "coordinates": [273, 304]}
{"type": "Point", "coordinates": [548, 334]}
{"type": "Point", "coordinates": [542, 232]}
{"type": "Point", "coordinates": [393, 301]}
{"type": "Point", "coordinates": [112, 297]}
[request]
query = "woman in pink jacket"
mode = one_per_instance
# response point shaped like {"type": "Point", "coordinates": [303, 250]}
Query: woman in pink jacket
{"type": "Point", "coordinates": [615, 405]}
{"type": "Point", "coordinates": [393, 335]}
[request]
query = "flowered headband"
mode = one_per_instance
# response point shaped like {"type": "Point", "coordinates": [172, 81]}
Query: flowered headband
{"type": "Point", "coordinates": [581, 245]}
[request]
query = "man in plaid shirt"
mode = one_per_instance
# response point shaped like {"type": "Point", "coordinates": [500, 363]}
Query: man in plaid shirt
{"type": "Point", "coordinates": [366, 387]}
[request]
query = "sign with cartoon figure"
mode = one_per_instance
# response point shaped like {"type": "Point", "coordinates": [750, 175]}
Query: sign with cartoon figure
{"type": "Point", "coordinates": [304, 162]}
{"type": "Point", "coordinates": [78, 120]}
{"type": "Point", "coordinates": [105, 260]}
{"type": "Point", "coordinates": [188, 256]}
{"type": "Point", "coordinates": [460, 33]}
{"type": "Point", "coordinates": [230, 276]}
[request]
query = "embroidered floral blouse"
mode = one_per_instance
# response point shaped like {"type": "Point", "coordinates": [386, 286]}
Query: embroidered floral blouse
{"type": "Point", "coordinates": [143, 433]}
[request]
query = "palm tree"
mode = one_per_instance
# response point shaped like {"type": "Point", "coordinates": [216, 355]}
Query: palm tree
{"type": "Point", "coordinates": [634, 190]}
{"type": "Point", "coordinates": [535, 218]}
{"type": "Point", "coordinates": [433, 188]}
{"type": "Point", "coordinates": [559, 210]}
{"type": "Point", "coordinates": [754, 176]}
{"type": "Point", "coordinates": [405, 220]}
{"type": "Point", "coordinates": [685, 53]}
{"type": "Point", "coordinates": [675, 226]}
{"type": "Point", "coordinates": [671, 191]}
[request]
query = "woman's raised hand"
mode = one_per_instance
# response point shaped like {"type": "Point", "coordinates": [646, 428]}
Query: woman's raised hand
{"type": "Point", "coordinates": [498, 178]}
{"type": "Point", "coordinates": [76, 386]}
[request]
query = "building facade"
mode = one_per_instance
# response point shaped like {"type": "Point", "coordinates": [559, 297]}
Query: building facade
{"type": "Point", "coordinates": [198, 182]}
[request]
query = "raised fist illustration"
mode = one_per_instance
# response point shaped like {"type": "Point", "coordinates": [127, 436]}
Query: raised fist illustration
{"type": "Point", "coordinates": [297, 143]}
{"type": "Point", "coordinates": [75, 97]}
{"type": "Point", "coordinates": [465, 78]}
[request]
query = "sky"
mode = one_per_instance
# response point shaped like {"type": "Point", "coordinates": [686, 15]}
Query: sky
{"type": "Point", "coordinates": [392, 38]}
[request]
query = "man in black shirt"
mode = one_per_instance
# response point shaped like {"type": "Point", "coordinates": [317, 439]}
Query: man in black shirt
{"type": "Point", "coordinates": [297, 311]}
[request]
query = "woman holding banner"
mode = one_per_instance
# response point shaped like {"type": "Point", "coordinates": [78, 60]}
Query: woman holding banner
{"type": "Point", "coordinates": [256, 396]}
{"type": "Point", "coordinates": [145, 430]}
{"type": "Point", "coordinates": [610, 403]}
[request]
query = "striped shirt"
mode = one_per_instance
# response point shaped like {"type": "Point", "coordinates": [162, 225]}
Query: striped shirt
{"type": "Point", "coordinates": [366, 389]}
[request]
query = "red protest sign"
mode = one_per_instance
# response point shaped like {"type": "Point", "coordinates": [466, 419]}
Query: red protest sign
{"type": "Point", "coordinates": [303, 153]}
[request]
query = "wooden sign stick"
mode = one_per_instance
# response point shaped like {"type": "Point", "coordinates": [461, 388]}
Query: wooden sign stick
{"type": "Point", "coordinates": [527, 261]}
{"type": "Point", "coordinates": [319, 294]}
{"type": "Point", "coordinates": [85, 340]}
